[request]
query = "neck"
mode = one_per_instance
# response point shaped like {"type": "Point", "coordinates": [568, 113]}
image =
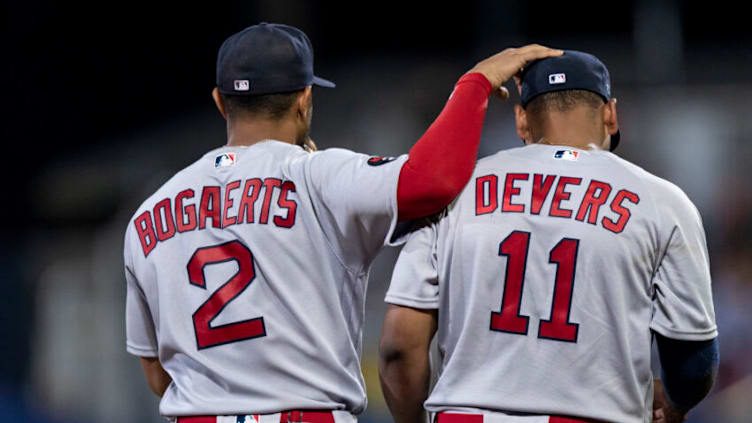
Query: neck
{"type": "Point", "coordinates": [249, 132]}
{"type": "Point", "coordinates": [576, 128]}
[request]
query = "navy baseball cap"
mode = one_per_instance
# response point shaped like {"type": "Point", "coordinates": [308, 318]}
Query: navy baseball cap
{"type": "Point", "coordinates": [574, 70]}
{"type": "Point", "coordinates": [265, 59]}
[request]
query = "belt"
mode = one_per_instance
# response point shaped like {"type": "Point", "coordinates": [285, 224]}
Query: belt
{"type": "Point", "coordinates": [296, 416]}
{"type": "Point", "coordinates": [478, 418]}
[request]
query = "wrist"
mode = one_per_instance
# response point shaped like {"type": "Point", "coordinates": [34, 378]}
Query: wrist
{"type": "Point", "coordinates": [475, 77]}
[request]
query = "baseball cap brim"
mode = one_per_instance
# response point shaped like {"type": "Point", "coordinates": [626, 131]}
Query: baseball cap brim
{"type": "Point", "coordinates": [615, 140]}
{"type": "Point", "coordinates": [321, 82]}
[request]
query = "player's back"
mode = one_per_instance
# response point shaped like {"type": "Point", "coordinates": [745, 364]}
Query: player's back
{"type": "Point", "coordinates": [254, 270]}
{"type": "Point", "coordinates": [548, 264]}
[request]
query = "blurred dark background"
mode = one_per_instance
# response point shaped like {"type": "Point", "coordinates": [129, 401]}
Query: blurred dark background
{"type": "Point", "coordinates": [104, 102]}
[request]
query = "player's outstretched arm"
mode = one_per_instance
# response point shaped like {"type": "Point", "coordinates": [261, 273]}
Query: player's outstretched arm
{"type": "Point", "coordinates": [404, 368]}
{"type": "Point", "coordinates": [155, 375]}
{"type": "Point", "coordinates": [442, 161]}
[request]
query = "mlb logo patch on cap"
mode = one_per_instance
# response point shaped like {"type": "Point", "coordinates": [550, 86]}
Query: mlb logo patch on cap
{"type": "Point", "coordinates": [557, 78]}
{"type": "Point", "coordinates": [570, 155]}
{"type": "Point", "coordinates": [224, 160]}
{"type": "Point", "coordinates": [242, 85]}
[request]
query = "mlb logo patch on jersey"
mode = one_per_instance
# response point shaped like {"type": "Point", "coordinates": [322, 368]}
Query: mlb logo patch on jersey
{"type": "Point", "coordinates": [570, 155]}
{"type": "Point", "coordinates": [224, 160]}
{"type": "Point", "coordinates": [557, 78]}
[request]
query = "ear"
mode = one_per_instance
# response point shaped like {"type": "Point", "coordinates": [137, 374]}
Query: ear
{"type": "Point", "coordinates": [610, 121]}
{"type": "Point", "coordinates": [523, 127]}
{"type": "Point", "coordinates": [303, 103]}
{"type": "Point", "coordinates": [219, 102]}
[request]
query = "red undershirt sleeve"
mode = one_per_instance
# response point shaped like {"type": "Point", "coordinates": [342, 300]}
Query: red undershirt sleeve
{"type": "Point", "coordinates": [442, 161]}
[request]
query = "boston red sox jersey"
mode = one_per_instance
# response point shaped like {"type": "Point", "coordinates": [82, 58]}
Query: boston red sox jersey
{"type": "Point", "coordinates": [549, 272]}
{"type": "Point", "coordinates": [246, 274]}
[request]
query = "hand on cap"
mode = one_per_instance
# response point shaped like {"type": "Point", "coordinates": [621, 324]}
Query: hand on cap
{"type": "Point", "coordinates": [502, 66]}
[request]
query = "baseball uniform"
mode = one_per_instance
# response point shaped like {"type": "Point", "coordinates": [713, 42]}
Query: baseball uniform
{"type": "Point", "coordinates": [246, 274]}
{"type": "Point", "coordinates": [549, 272]}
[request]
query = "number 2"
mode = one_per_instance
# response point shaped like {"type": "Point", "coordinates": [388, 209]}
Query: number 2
{"type": "Point", "coordinates": [206, 335]}
{"type": "Point", "coordinates": [558, 327]}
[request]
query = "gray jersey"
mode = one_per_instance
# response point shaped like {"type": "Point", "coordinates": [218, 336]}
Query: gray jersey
{"type": "Point", "coordinates": [246, 274]}
{"type": "Point", "coordinates": [549, 272]}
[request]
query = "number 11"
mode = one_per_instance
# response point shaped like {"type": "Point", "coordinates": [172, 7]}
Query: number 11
{"type": "Point", "coordinates": [558, 327]}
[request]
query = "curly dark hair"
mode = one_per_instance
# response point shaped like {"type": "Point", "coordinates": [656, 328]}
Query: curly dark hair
{"type": "Point", "coordinates": [272, 106]}
{"type": "Point", "coordinates": [563, 101]}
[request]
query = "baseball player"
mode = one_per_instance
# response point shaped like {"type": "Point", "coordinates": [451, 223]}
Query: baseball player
{"type": "Point", "coordinates": [549, 276]}
{"type": "Point", "coordinates": [246, 272]}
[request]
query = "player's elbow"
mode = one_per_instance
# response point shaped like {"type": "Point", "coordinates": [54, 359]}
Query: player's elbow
{"type": "Point", "coordinates": [425, 196]}
{"type": "Point", "coordinates": [423, 192]}
{"type": "Point", "coordinates": [444, 188]}
{"type": "Point", "coordinates": [405, 335]}
{"type": "Point", "coordinates": [156, 377]}
{"type": "Point", "coordinates": [391, 351]}
{"type": "Point", "coordinates": [689, 369]}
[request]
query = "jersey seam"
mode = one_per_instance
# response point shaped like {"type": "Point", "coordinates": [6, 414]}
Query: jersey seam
{"type": "Point", "coordinates": [316, 214]}
{"type": "Point", "coordinates": [663, 246]}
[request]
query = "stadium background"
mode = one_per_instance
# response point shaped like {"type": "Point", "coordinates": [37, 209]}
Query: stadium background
{"type": "Point", "coordinates": [103, 102]}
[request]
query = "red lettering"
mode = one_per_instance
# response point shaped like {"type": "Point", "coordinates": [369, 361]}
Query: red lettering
{"type": "Point", "coordinates": [510, 190]}
{"type": "Point", "coordinates": [591, 203]}
{"type": "Point", "coordinates": [288, 204]}
{"type": "Point", "coordinates": [561, 195]}
{"type": "Point", "coordinates": [145, 231]}
{"type": "Point", "coordinates": [541, 187]}
{"type": "Point", "coordinates": [250, 195]}
{"type": "Point", "coordinates": [227, 221]}
{"type": "Point", "coordinates": [210, 195]}
{"type": "Point", "coordinates": [181, 212]}
{"type": "Point", "coordinates": [162, 216]}
{"type": "Point", "coordinates": [269, 185]}
{"type": "Point", "coordinates": [483, 204]}
{"type": "Point", "coordinates": [623, 212]}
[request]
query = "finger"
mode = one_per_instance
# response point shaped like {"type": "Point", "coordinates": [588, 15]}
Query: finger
{"type": "Point", "coordinates": [535, 47]}
{"type": "Point", "coordinates": [518, 82]}
{"type": "Point", "coordinates": [502, 93]}
{"type": "Point", "coordinates": [523, 59]}
{"type": "Point", "coordinates": [536, 54]}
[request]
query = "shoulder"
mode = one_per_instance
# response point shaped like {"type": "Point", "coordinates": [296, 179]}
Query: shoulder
{"type": "Point", "coordinates": [669, 199]}
{"type": "Point", "coordinates": [298, 156]}
{"type": "Point", "coordinates": [501, 157]}
{"type": "Point", "coordinates": [337, 154]}
{"type": "Point", "coordinates": [339, 159]}
{"type": "Point", "coordinates": [662, 189]}
{"type": "Point", "coordinates": [166, 190]}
